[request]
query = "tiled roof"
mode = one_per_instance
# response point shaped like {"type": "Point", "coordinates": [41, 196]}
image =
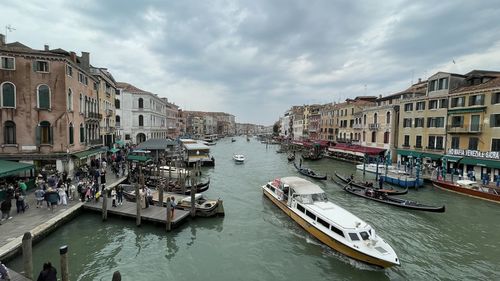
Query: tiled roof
{"type": "Point", "coordinates": [129, 88]}
{"type": "Point", "coordinates": [493, 83]}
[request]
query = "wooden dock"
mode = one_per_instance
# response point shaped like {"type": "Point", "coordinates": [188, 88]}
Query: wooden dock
{"type": "Point", "coordinates": [14, 276]}
{"type": "Point", "coordinates": [128, 209]}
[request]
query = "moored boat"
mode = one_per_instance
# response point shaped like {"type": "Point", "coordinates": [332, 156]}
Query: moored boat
{"type": "Point", "coordinates": [470, 188]}
{"type": "Point", "coordinates": [367, 184]}
{"type": "Point", "coordinates": [291, 157]}
{"type": "Point", "coordinates": [310, 173]}
{"type": "Point", "coordinates": [382, 197]}
{"type": "Point", "coordinates": [308, 205]}
{"type": "Point", "coordinates": [372, 168]}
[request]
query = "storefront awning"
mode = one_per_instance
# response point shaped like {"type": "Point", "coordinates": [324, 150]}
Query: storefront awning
{"type": "Point", "coordinates": [452, 158]}
{"type": "Point", "coordinates": [88, 153]}
{"type": "Point", "coordinates": [139, 158]}
{"type": "Point", "coordinates": [373, 151]}
{"type": "Point", "coordinates": [114, 150]}
{"type": "Point", "coordinates": [8, 168]}
{"type": "Point", "coordinates": [481, 162]}
{"type": "Point", "coordinates": [419, 154]}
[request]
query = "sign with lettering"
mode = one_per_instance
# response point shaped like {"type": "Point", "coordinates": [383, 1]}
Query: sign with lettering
{"type": "Point", "coordinates": [495, 155]}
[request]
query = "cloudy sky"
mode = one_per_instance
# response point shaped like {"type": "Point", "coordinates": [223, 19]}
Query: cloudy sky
{"type": "Point", "coordinates": [256, 58]}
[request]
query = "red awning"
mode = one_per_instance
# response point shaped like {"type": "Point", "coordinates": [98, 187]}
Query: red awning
{"type": "Point", "coordinates": [358, 148]}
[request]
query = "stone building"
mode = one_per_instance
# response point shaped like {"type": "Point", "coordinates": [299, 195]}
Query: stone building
{"type": "Point", "coordinates": [106, 91]}
{"type": "Point", "coordinates": [49, 107]}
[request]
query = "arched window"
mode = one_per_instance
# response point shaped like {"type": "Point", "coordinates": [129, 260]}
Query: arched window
{"type": "Point", "coordinates": [374, 136]}
{"type": "Point", "coordinates": [117, 120]}
{"type": "Point", "coordinates": [351, 137]}
{"type": "Point", "coordinates": [43, 97]}
{"type": "Point", "coordinates": [386, 137]}
{"type": "Point", "coordinates": [364, 136]}
{"type": "Point", "coordinates": [8, 95]}
{"type": "Point", "coordinates": [141, 103]}
{"type": "Point", "coordinates": [44, 133]}
{"type": "Point", "coordinates": [9, 132]}
{"type": "Point", "coordinates": [375, 118]}
{"type": "Point", "coordinates": [82, 133]}
{"type": "Point", "coordinates": [71, 134]}
{"type": "Point", "coordinates": [364, 120]}
{"type": "Point", "coordinates": [70, 100]}
{"type": "Point", "coordinates": [388, 117]}
{"type": "Point", "coordinates": [141, 120]}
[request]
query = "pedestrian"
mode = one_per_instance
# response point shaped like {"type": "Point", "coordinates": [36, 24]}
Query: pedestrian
{"type": "Point", "coordinates": [113, 197]}
{"type": "Point", "coordinates": [39, 196]}
{"type": "Point", "coordinates": [119, 194]}
{"type": "Point", "coordinates": [48, 273]}
{"type": "Point", "coordinates": [23, 187]}
{"type": "Point", "coordinates": [63, 198]}
{"type": "Point", "coordinates": [5, 207]}
{"type": "Point", "coordinates": [142, 197]}
{"type": "Point", "coordinates": [4, 272]}
{"type": "Point", "coordinates": [380, 182]}
{"type": "Point", "coordinates": [52, 198]}
{"type": "Point", "coordinates": [72, 191]}
{"type": "Point", "coordinates": [19, 201]}
{"type": "Point", "coordinates": [173, 205]}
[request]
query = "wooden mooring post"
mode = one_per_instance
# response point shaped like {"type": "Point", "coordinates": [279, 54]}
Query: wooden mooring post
{"type": "Point", "coordinates": [63, 252]}
{"type": "Point", "coordinates": [28, 255]}
{"type": "Point", "coordinates": [105, 205]}
{"type": "Point", "coordinates": [169, 215]}
{"type": "Point", "coordinates": [138, 205]}
{"type": "Point", "coordinates": [117, 276]}
{"type": "Point", "coordinates": [159, 185]}
{"type": "Point", "coordinates": [220, 207]}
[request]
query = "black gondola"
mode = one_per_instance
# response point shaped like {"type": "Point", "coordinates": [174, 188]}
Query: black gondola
{"type": "Point", "coordinates": [382, 197]}
{"type": "Point", "coordinates": [172, 187]}
{"type": "Point", "coordinates": [370, 185]}
{"type": "Point", "coordinates": [291, 158]}
{"type": "Point", "coordinates": [310, 173]}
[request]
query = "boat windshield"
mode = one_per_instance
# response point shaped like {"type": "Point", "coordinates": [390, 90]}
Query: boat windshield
{"type": "Point", "coordinates": [319, 197]}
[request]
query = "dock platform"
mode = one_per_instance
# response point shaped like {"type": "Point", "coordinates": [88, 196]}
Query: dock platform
{"type": "Point", "coordinates": [14, 276]}
{"type": "Point", "coordinates": [128, 209]}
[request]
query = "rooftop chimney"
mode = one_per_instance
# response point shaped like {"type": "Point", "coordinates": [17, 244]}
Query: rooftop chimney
{"type": "Point", "coordinates": [419, 80]}
{"type": "Point", "coordinates": [2, 40]}
{"type": "Point", "coordinates": [72, 55]}
{"type": "Point", "coordinates": [46, 47]}
{"type": "Point", "coordinates": [85, 60]}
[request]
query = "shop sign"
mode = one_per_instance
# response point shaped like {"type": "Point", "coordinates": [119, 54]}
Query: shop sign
{"type": "Point", "coordinates": [495, 155]}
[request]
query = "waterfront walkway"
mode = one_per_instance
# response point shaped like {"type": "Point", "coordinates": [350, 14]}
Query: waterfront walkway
{"type": "Point", "coordinates": [38, 221]}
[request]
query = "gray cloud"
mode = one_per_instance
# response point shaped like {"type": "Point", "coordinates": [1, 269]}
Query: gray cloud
{"type": "Point", "coordinates": [255, 58]}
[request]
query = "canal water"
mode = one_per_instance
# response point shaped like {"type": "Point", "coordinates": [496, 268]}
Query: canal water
{"type": "Point", "coordinates": [256, 241]}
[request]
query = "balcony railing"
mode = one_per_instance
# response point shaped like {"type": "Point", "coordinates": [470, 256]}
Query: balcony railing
{"type": "Point", "coordinates": [358, 126]}
{"type": "Point", "coordinates": [95, 142]}
{"type": "Point", "coordinates": [117, 125]}
{"type": "Point", "coordinates": [373, 126]}
{"type": "Point", "coordinates": [109, 112]}
{"type": "Point", "coordinates": [93, 115]}
{"type": "Point", "coordinates": [465, 128]}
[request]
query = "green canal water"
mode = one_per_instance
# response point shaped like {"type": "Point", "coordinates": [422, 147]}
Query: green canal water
{"type": "Point", "coordinates": [256, 241]}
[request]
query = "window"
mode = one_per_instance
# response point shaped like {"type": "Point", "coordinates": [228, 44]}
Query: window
{"type": "Point", "coordinates": [418, 142]}
{"type": "Point", "coordinates": [336, 230]}
{"type": "Point", "coordinates": [455, 142]}
{"type": "Point", "coordinates": [95, 86]}
{"type": "Point", "coordinates": [476, 100]}
{"type": "Point", "coordinates": [406, 141]}
{"type": "Point", "coordinates": [70, 100]}
{"type": "Point", "coordinates": [71, 134]}
{"type": "Point", "coordinates": [443, 84]}
{"type": "Point", "coordinates": [364, 119]}
{"type": "Point", "coordinates": [7, 63]}
{"type": "Point", "coordinates": [82, 133]}
{"type": "Point", "coordinates": [495, 120]}
{"type": "Point", "coordinates": [421, 105]}
{"type": "Point", "coordinates": [353, 236]}
{"type": "Point", "coordinates": [458, 102]}
{"type": "Point", "coordinates": [433, 104]}
{"type": "Point", "coordinates": [86, 80]}
{"type": "Point", "coordinates": [364, 136]}
{"type": "Point", "coordinates": [8, 91]}
{"type": "Point", "coordinates": [43, 97]}
{"type": "Point", "coordinates": [9, 132]}
{"type": "Point", "coordinates": [375, 118]}
{"type": "Point", "coordinates": [364, 235]}
{"type": "Point", "coordinates": [409, 107]}
{"type": "Point", "coordinates": [435, 142]}
{"type": "Point", "coordinates": [457, 121]}
{"type": "Point", "coordinates": [386, 137]}
{"type": "Point", "coordinates": [311, 215]}
{"type": "Point", "coordinates": [495, 98]}
{"type": "Point", "coordinates": [435, 122]}
{"type": "Point", "coordinates": [388, 118]}
{"type": "Point", "coordinates": [81, 77]}
{"type": "Point", "coordinates": [323, 223]}
{"type": "Point", "coordinates": [81, 103]}
{"type": "Point", "coordinates": [407, 123]}
{"type": "Point", "coordinates": [41, 66]}
{"type": "Point", "coordinates": [432, 85]}
{"type": "Point", "coordinates": [127, 136]}
{"type": "Point", "coordinates": [443, 103]}
{"type": "Point", "coordinates": [473, 141]}
{"type": "Point", "coordinates": [374, 136]}
{"type": "Point", "coordinates": [141, 103]}
{"type": "Point", "coordinates": [69, 70]}
{"type": "Point", "coordinates": [419, 122]}
{"type": "Point", "coordinates": [495, 144]}
{"type": "Point", "coordinates": [141, 120]}
{"type": "Point", "coordinates": [44, 133]}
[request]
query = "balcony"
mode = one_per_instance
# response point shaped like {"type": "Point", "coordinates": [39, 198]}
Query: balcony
{"type": "Point", "coordinates": [373, 126]}
{"type": "Point", "coordinates": [434, 148]}
{"type": "Point", "coordinates": [95, 142]}
{"type": "Point", "coordinates": [109, 112]}
{"type": "Point", "coordinates": [405, 145]}
{"type": "Point", "coordinates": [417, 147]}
{"type": "Point", "coordinates": [465, 129]}
{"type": "Point", "coordinates": [117, 125]}
{"type": "Point", "coordinates": [358, 126]}
{"type": "Point", "coordinates": [93, 115]}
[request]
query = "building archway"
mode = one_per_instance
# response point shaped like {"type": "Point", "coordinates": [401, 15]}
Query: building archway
{"type": "Point", "coordinates": [140, 138]}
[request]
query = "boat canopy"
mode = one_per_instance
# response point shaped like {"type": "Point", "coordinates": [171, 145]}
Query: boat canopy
{"type": "Point", "coordinates": [197, 196]}
{"type": "Point", "coordinates": [302, 186]}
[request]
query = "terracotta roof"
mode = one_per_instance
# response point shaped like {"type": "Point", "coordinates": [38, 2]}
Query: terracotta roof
{"type": "Point", "coordinates": [17, 45]}
{"type": "Point", "coordinates": [493, 83]}
{"type": "Point", "coordinates": [129, 88]}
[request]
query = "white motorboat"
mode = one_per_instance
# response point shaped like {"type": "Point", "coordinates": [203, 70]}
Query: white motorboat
{"type": "Point", "coordinates": [307, 204]}
{"type": "Point", "coordinates": [239, 158]}
{"type": "Point", "coordinates": [372, 168]}
{"type": "Point", "coordinates": [174, 172]}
